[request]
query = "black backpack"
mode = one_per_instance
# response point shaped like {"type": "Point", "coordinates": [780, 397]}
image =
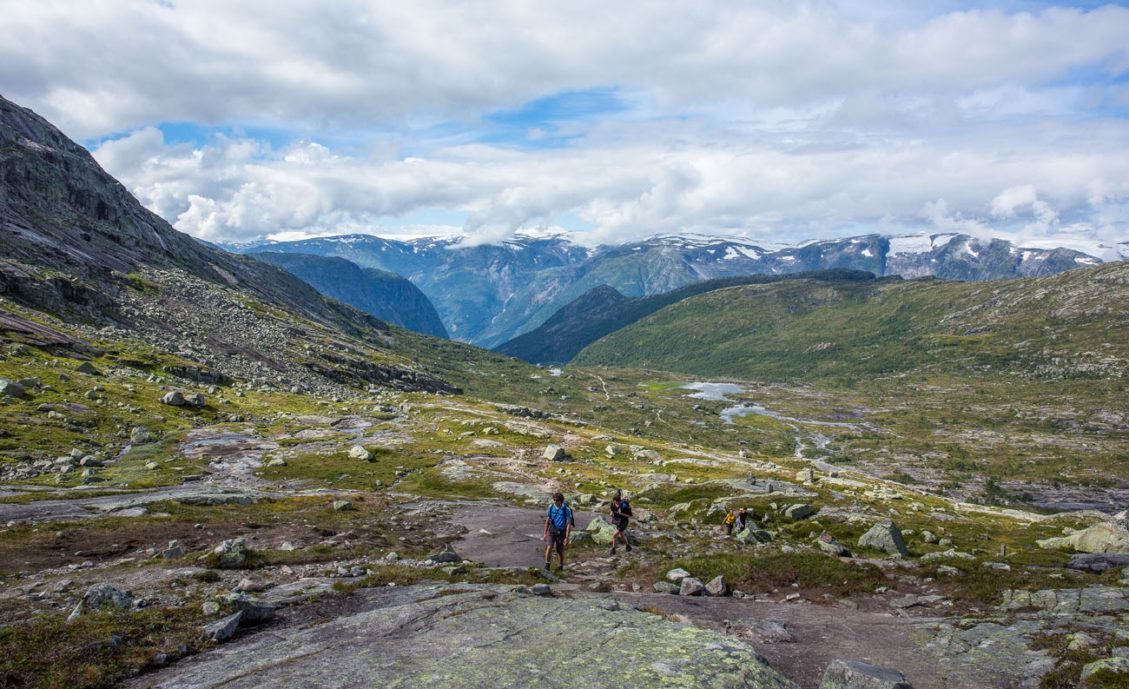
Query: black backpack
{"type": "Point", "coordinates": [624, 507]}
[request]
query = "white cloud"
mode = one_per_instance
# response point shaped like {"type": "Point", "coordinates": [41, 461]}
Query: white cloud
{"type": "Point", "coordinates": [774, 119]}
{"type": "Point", "coordinates": [238, 189]}
{"type": "Point", "coordinates": [102, 66]}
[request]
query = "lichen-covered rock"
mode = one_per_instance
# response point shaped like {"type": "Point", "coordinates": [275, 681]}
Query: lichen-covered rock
{"type": "Point", "coordinates": [717, 587]}
{"type": "Point", "coordinates": [691, 587]}
{"type": "Point", "coordinates": [554, 453]}
{"type": "Point", "coordinates": [1103, 672]}
{"type": "Point", "coordinates": [799, 511]}
{"type": "Point", "coordinates": [360, 452]}
{"type": "Point", "coordinates": [11, 388]}
{"type": "Point", "coordinates": [887, 537]}
{"type": "Point", "coordinates": [174, 399]}
{"type": "Point", "coordinates": [676, 575]}
{"type": "Point", "coordinates": [752, 535]}
{"type": "Point", "coordinates": [231, 554]}
{"type": "Point", "coordinates": [854, 674]}
{"type": "Point", "coordinates": [222, 630]}
{"type": "Point", "coordinates": [481, 637]}
{"type": "Point", "coordinates": [1104, 537]}
{"type": "Point", "coordinates": [599, 530]}
{"type": "Point", "coordinates": [106, 596]}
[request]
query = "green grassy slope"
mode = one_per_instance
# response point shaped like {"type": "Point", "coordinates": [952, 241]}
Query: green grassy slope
{"type": "Point", "coordinates": [1072, 325]}
{"type": "Point", "coordinates": [603, 310]}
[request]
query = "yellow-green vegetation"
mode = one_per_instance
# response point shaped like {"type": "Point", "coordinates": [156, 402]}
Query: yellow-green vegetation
{"type": "Point", "coordinates": [97, 650]}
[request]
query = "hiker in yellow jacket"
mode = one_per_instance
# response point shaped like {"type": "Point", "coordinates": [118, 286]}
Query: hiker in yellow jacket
{"type": "Point", "coordinates": [729, 521]}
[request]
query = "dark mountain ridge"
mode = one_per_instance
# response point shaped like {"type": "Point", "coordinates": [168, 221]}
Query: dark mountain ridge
{"type": "Point", "coordinates": [386, 295]}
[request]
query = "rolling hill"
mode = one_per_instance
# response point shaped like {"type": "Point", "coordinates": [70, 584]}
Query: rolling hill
{"type": "Point", "coordinates": [1073, 325]}
{"type": "Point", "coordinates": [604, 310]}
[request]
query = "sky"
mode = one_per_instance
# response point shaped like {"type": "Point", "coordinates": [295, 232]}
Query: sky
{"type": "Point", "coordinates": [778, 121]}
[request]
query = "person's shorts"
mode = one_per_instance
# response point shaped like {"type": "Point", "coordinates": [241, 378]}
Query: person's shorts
{"type": "Point", "coordinates": [557, 540]}
{"type": "Point", "coordinates": [621, 525]}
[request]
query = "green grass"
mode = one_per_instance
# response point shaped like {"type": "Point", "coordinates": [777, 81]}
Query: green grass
{"type": "Point", "coordinates": [96, 651]}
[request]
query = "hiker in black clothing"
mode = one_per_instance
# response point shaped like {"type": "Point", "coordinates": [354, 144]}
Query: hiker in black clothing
{"type": "Point", "coordinates": [558, 527]}
{"type": "Point", "coordinates": [621, 514]}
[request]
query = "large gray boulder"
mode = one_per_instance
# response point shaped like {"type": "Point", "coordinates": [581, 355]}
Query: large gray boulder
{"type": "Point", "coordinates": [11, 388]}
{"type": "Point", "coordinates": [444, 637]}
{"type": "Point", "coordinates": [799, 511]}
{"type": "Point", "coordinates": [222, 630]}
{"type": "Point", "coordinates": [855, 674]}
{"type": "Point", "coordinates": [691, 587]}
{"type": "Point", "coordinates": [554, 453]}
{"type": "Point", "coordinates": [231, 554]}
{"type": "Point", "coordinates": [887, 537]}
{"type": "Point", "coordinates": [599, 530]}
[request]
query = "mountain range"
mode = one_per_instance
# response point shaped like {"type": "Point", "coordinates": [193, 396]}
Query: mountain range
{"type": "Point", "coordinates": [490, 294]}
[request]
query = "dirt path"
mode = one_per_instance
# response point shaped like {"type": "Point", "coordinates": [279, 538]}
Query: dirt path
{"type": "Point", "coordinates": [813, 635]}
{"type": "Point", "coordinates": [502, 536]}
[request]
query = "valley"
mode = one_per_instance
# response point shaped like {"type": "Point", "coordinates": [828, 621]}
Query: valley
{"type": "Point", "coordinates": [211, 474]}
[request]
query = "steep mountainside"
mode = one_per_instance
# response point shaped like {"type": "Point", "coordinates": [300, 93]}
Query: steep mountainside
{"type": "Point", "coordinates": [490, 294]}
{"type": "Point", "coordinates": [1071, 325]}
{"type": "Point", "coordinates": [603, 310]}
{"type": "Point", "coordinates": [76, 245]}
{"type": "Point", "coordinates": [385, 295]}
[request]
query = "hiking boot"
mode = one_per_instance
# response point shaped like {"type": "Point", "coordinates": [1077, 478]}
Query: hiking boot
{"type": "Point", "coordinates": [548, 565]}
{"type": "Point", "coordinates": [629, 547]}
{"type": "Point", "coordinates": [560, 568]}
{"type": "Point", "coordinates": [611, 551]}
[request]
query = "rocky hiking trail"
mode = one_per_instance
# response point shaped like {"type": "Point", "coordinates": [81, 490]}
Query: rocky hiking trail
{"type": "Point", "coordinates": [799, 640]}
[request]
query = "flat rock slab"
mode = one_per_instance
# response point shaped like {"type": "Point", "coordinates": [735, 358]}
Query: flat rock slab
{"type": "Point", "coordinates": [473, 636]}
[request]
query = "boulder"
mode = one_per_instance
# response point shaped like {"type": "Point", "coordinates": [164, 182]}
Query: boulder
{"type": "Point", "coordinates": [827, 543]}
{"type": "Point", "coordinates": [929, 537]}
{"type": "Point", "coordinates": [554, 453]}
{"type": "Point", "coordinates": [1104, 537]}
{"type": "Point", "coordinates": [343, 506]}
{"type": "Point", "coordinates": [194, 400]}
{"type": "Point", "coordinates": [231, 554]}
{"type": "Point", "coordinates": [88, 368]}
{"type": "Point", "coordinates": [360, 452]}
{"type": "Point", "coordinates": [106, 596]}
{"type": "Point", "coordinates": [175, 549]}
{"type": "Point", "coordinates": [799, 511]}
{"type": "Point", "coordinates": [11, 388]}
{"type": "Point", "coordinates": [690, 586]}
{"type": "Point", "coordinates": [1098, 562]}
{"type": "Point", "coordinates": [717, 587]}
{"type": "Point", "coordinates": [950, 554]}
{"type": "Point", "coordinates": [600, 531]}
{"type": "Point", "coordinates": [806, 476]}
{"type": "Point", "coordinates": [887, 537]}
{"type": "Point", "coordinates": [252, 609]}
{"type": "Point", "coordinates": [174, 399]}
{"type": "Point", "coordinates": [140, 435]}
{"type": "Point", "coordinates": [676, 575]}
{"type": "Point", "coordinates": [222, 630]}
{"type": "Point", "coordinates": [751, 535]}
{"type": "Point", "coordinates": [665, 587]}
{"type": "Point", "coordinates": [1102, 673]}
{"type": "Point", "coordinates": [855, 674]}
{"type": "Point", "coordinates": [447, 554]}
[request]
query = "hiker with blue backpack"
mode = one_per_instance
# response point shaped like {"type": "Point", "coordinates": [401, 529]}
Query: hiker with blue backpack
{"type": "Point", "coordinates": [558, 527]}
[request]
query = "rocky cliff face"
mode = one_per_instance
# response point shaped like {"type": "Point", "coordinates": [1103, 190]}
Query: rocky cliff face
{"type": "Point", "coordinates": [76, 244]}
{"type": "Point", "coordinates": [490, 294]}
